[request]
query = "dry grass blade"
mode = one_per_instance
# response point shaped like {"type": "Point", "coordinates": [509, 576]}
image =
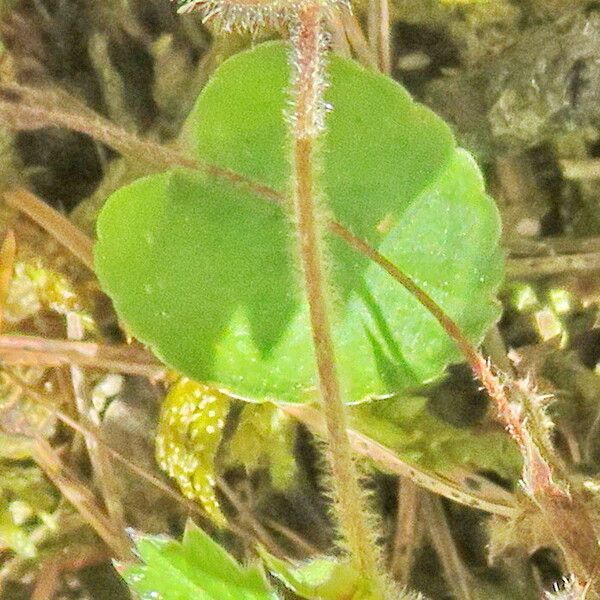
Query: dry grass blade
{"type": "Point", "coordinates": [8, 253]}
{"type": "Point", "coordinates": [83, 430]}
{"type": "Point", "coordinates": [54, 223]}
{"type": "Point", "coordinates": [32, 350]}
{"type": "Point", "coordinates": [246, 515]}
{"type": "Point", "coordinates": [542, 266]}
{"type": "Point", "coordinates": [97, 454]}
{"type": "Point", "coordinates": [357, 39]}
{"type": "Point", "coordinates": [525, 247]}
{"type": "Point", "coordinates": [457, 576]}
{"type": "Point", "coordinates": [379, 33]}
{"type": "Point", "coordinates": [496, 501]}
{"type": "Point", "coordinates": [588, 168]}
{"type": "Point", "coordinates": [304, 548]}
{"type": "Point", "coordinates": [406, 535]}
{"type": "Point", "coordinates": [82, 499]}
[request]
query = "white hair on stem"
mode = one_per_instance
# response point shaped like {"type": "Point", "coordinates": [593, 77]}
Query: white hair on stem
{"type": "Point", "coordinates": [251, 15]}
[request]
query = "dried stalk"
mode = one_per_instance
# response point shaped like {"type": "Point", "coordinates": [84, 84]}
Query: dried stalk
{"type": "Point", "coordinates": [98, 456]}
{"type": "Point", "coordinates": [54, 223]}
{"type": "Point", "coordinates": [406, 534]}
{"type": "Point", "coordinates": [526, 248]}
{"type": "Point", "coordinates": [379, 33]}
{"type": "Point", "coordinates": [305, 548]}
{"type": "Point", "coordinates": [24, 108]}
{"type": "Point", "coordinates": [541, 266]}
{"type": "Point", "coordinates": [357, 39]}
{"type": "Point", "coordinates": [8, 253]}
{"type": "Point", "coordinates": [247, 516]}
{"type": "Point", "coordinates": [497, 501]}
{"type": "Point", "coordinates": [32, 350]}
{"type": "Point", "coordinates": [82, 499]}
{"type": "Point", "coordinates": [582, 168]}
{"type": "Point", "coordinates": [456, 574]}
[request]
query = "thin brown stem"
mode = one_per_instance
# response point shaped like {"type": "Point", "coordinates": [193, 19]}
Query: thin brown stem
{"type": "Point", "coordinates": [406, 534]}
{"type": "Point", "coordinates": [475, 359]}
{"type": "Point", "coordinates": [47, 403]}
{"type": "Point", "coordinates": [53, 222]}
{"type": "Point", "coordinates": [31, 350]}
{"type": "Point", "coordinates": [539, 471]}
{"type": "Point", "coordinates": [495, 500]}
{"type": "Point", "coordinates": [8, 253]}
{"type": "Point", "coordinates": [307, 124]}
{"type": "Point", "coordinates": [469, 351]}
{"type": "Point", "coordinates": [457, 576]}
{"type": "Point", "coordinates": [304, 547]}
{"type": "Point", "coordinates": [357, 39]}
{"type": "Point", "coordinates": [379, 33]}
{"type": "Point", "coordinates": [246, 515]}
{"type": "Point", "coordinates": [97, 454]}
{"type": "Point", "coordinates": [24, 108]}
{"type": "Point", "coordinates": [82, 499]}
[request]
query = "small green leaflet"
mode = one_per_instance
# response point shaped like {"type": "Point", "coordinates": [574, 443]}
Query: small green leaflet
{"type": "Point", "coordinates": [195, 569]}
{"type": "Point", "coordinates": [204, 272]}
{"type": "Point", "coordinates": [325, 578]}
{"type": "Point", "coordinates": [319, 579]}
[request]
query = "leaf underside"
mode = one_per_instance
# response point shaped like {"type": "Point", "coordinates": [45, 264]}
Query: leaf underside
{"type": "Point", "coordinates": [204, 272]}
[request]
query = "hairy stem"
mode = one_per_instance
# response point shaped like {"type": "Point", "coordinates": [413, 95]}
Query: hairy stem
{"type": "Point", "coordinates": [307, 123]}
{"type": "Point", "coordinates": [489, 497]}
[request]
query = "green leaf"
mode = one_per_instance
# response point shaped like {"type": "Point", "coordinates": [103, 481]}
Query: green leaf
{"type": "Point", "coordinates": [204, 272]}
{"type": "Point", "coordinates": [319, 579]}
{"type": "Point", "coordinates": [195, 569]}
{"type": "Point", "coordinates": [326, 579]}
